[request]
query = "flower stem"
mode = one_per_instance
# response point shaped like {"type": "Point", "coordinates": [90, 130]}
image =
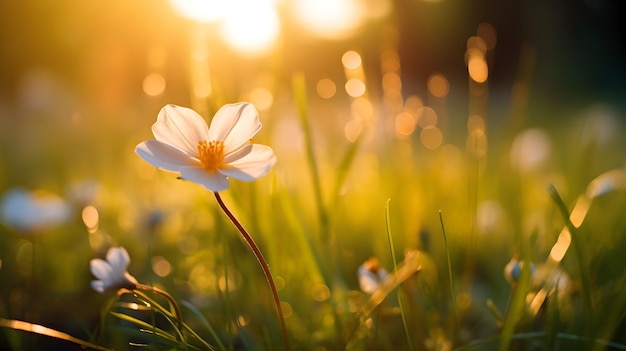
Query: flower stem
{"type": "Point", "coordinates": [166, 295]}
{"type": "Point", "coordinates": [259, 256]}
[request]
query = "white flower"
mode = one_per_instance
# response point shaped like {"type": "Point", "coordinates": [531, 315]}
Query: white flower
{"type": "Point", "coordinates": [371, 275]}
{"type": "Point", "coordinates": [32, 211]}
{"type": "Point", "coordinates": [112, 272]}
{"type": "Point", "coordinates": [208, 156]}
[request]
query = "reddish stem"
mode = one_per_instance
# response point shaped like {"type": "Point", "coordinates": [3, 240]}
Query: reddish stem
{"type": "Point", "coordinates": [262, 262]}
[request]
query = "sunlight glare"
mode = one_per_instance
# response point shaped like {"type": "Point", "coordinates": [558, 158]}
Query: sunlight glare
{"type": "Point", "coordinates": [205, 11]}
{"type": "Point", "coordinates": [334, 19]}
{"type": "Point", "coordinates": [251, 26]}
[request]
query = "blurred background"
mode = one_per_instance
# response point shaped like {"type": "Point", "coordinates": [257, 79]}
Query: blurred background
{"type": "Point", "coordinates": [418, 85]}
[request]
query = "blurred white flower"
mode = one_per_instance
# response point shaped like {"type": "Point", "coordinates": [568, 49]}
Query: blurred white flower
{"type": "Point", "coordinates": [32, 211]}
{"type": "Point", "coordinates": [208, 156]}
{"type": "Point", "coordinates": [530, 150]}
{"type": "Point", "coordinates": [112, 272]}
{"type": "Point", "coordinates": [371, 275]}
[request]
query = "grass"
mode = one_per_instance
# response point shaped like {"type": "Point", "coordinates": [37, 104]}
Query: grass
{"type": "Point", "coordinates": [317, 217]}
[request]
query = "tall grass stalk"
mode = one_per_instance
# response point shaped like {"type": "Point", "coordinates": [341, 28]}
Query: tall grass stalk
{"type": "Point", "coordinates": [516, 306]}
{"type": "Point", "coordinates": [299, 92]}
{"type": "Point", "coordinates": [588, 319]}
{"type": "Point", "coordinates": [452, 292]}
{"type": "Point", "coordinates": [41, 330]}
{"type": "Point", "coordinates": [206, 323]}
{"type": "Point", "coordinates": [395, 271]}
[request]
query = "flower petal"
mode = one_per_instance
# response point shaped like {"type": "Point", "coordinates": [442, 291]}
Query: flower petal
{"type": "Point", "coordinates": [213, 181]}
{"type": "Point", "coordinates": [251, 162]}
{"type": "Point", "coordinates": [164, 156]}
{"type": "Point", "coordinates": [235, 125]}
{"type": "Point", "coordinates": [180, 127]}
{"type": "Point", "coordinates": [101, 269]}
{"type": "Point", "coordinates": [118, 259]}
{"type": "Point", "coordinates": [97, 285]}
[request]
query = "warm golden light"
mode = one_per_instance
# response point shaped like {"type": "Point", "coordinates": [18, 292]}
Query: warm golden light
{"type": "Point", "coordinates": [261, 98]}
{"type": "Point", "coordinates": [562, 244]}
{"type": "Point", "coordinates": [438, 85]}
{"type": "Point", "coordinates": [90, 218]}
{"type": "Point", "coordinates": [326, 88]}
{"type": "Point", "coordinates": [161, 266]}
{"type": "Point", "coordinates": [335, 19]}
{"type": "Point", "coordinates": [320, 292]}
{"type": "Point", "coordinates": [580, 211]}
{"type": "Point", "coordinates": [351, 59]}
{"type": "Point", "coordinates": [362, 108]}
{"type": "Point", "coordinates": [205, 11]}
{"type": "Point", "coordinates": [248, 26]}
{"type": "Point", "coordinates": [352, 130]}
{"type": "Point", "coordinates": [154, 84]}
{"type": "Point", "coordinates": [405, 124]}
{"type": "Point", "coordinates": [475, 123]}
{"type": "Point", "coordinates": [477, 68]}
{"type": "Point", "coordinates": [431, 138]}
{"type": "Point", "coordinates": [251, 26]}
{"type": "Point", "coordinates": [477, 43]}
{"type": "Point", "coordinates": [355, 87]}
{"type": "Point", "coordinates": [392, 81]}
{"type": "Point", "coordinates": [426, 117]}
{"type": "Point", "coordinates": [488, 33]}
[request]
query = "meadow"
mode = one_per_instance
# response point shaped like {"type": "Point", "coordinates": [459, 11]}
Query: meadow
{"type": "Point", "coordinates": [462, 215]}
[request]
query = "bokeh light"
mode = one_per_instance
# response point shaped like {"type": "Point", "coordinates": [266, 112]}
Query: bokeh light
{"type": "Point", "coordinates": [477, 67]}
{"type": "Point", "coordinates": [426, 117]}
{"type": "Point", "coordinates": [251, 26]}
{"type": "Point", "coordinates": [154, 84]}
{"type": "Point", "coordinates": [161, 266]}
{"type": "Point", "coordinates": [351, 60]}
{"type": "Point", "coordinates": [431, 138]}
{"type": "Point", "coordinates": [201, 10]}
{"type": "Point", "coordinates": [405, 123]}
{"type": "Point", "coordinates": [438, 85]}
{"type": "Point", "coordinates": [355, 87]}
{"type": "Point", "coordinates": [261, 98]}
{"type": "Point", "coordinates": [326, 88]}
{"type": "Point", "coordinates": [333, 19]}
{"type": "Point", "coordinates": [90, 217]}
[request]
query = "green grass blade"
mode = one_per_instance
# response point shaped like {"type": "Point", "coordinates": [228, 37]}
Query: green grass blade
{"type": "Point", "coordinates": [299, 92]}
{"type": "Point", "coordinates": [452, 293]}
{"type": "Point", "coordinates": [516, 308]}
{"type": "Point", "coordinates": [206, 323]}
{"type": "Point", "coordinates": [588, 319]}
{"type": "Point", "coordinates": [344, 167]}
{"type": "Point", "coordinates": [41, 330]}
{"type": "Point", "coordinates": [395, 271]}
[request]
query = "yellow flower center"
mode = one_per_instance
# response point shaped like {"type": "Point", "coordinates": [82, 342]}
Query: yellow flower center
{"type": "Point", "coordinates": [211, 154]}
